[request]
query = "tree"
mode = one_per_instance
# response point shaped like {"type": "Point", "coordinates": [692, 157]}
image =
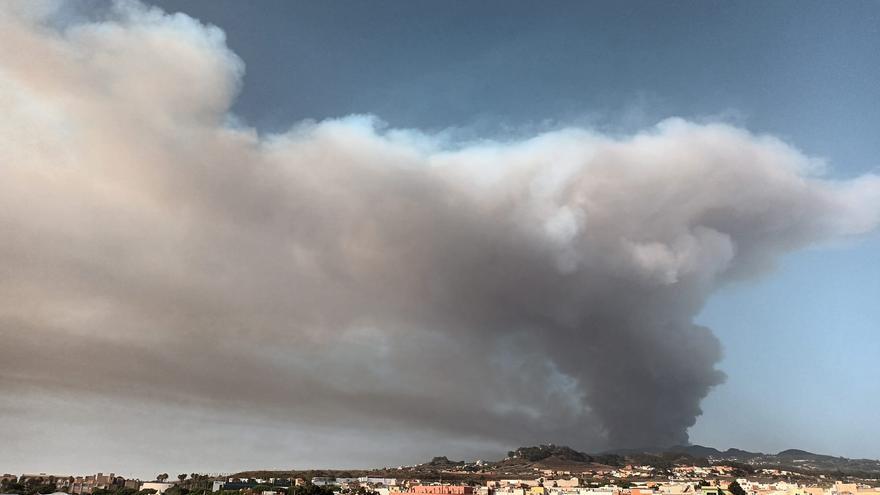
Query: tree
{"type": "Point", "coordinates": [311, 489]}
{"type": "Point", "coordinates": [32, 483]}
{"type": "Point", "coordinates": [14, 487]}
{"type": "Point", "coordinates": [181, 477]}
{"type": "Point", "coordinates": [735, 489]}
{"type": "Point", "coordinates": [176, 490]}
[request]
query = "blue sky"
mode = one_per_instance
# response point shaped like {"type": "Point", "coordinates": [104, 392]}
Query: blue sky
{"type": "Point", "coordinates": [804, 71]}
{"type": "Point", "coordinates": [802, 345]}
{"type": "Point", "coordinates": [801, 351]}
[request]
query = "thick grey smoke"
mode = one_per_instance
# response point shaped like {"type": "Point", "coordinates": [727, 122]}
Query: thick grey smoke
{"type": "Point", "coordinates": [341, 273]}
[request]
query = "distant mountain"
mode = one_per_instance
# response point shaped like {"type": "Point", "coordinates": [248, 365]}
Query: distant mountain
{"type": "Point", "coordinates": [443, 462]}
{"type": "Point", "coordinates": [796, 453]}
{"type": "Point", "coordinates": [562, 457]}
{"type": "Point", "coordinates": [543, 452]}
{"type": "Point", "coordinates": [791, 459]}
{"type": "Point", "coordinates": [524, 460]}
{"type": "Point", "coordinates": [696, 451]}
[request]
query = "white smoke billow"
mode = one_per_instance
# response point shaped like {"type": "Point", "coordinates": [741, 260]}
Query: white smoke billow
{"type": "Point", "coordinates": [530, 291]}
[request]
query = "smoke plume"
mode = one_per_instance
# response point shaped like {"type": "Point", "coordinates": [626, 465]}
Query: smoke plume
{"type": "Point", "coordinates": [155, 250]}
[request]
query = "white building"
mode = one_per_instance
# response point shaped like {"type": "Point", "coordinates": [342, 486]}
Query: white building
{"type": "Point", "coordinates": [159, 486]}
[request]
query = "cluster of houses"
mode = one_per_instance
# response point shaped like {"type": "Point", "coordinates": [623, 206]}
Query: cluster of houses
{"type": "Point", "coordinates": [571, 485]}
{"type": "Point", "coordinates": [684, 481]}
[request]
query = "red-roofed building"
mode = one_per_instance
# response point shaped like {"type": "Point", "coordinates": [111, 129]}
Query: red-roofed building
{"type": "Point", "coordinates": [441, 490]}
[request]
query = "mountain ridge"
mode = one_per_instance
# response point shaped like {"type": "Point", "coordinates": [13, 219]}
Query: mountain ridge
{"type": "Point", "coordinates": [790, 459]}
{"type": "Point", "coordinates": [526, 460]}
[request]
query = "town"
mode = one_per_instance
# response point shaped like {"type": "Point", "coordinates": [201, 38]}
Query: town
{"type": "Point", "coordinates": [526, 471]}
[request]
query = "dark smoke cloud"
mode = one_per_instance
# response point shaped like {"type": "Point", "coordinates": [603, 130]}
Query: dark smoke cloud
{"type": "Point", "coordinates": [344, 274]}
